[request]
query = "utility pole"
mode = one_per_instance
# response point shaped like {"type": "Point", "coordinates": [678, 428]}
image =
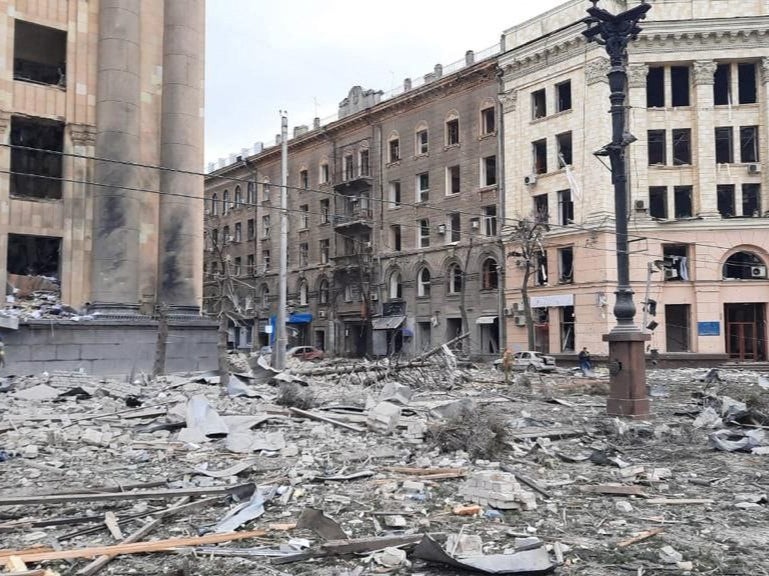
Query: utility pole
{"type": "Point", "coordinates": [282, 340]}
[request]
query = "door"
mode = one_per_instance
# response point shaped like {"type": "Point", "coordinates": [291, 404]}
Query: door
{"type": "Point", "coordinates": [745, 331]}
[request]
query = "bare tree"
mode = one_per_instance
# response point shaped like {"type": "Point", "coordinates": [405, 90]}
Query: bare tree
{"type": "Point", "coordinates": [462, 307]}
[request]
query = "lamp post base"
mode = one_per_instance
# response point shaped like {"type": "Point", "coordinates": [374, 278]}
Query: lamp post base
{"type": "Point", "coordinates": [627, 375]}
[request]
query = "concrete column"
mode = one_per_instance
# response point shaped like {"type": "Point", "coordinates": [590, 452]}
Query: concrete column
{"type": "Point", "coordinates": [5, 182]}
{"type": "Point", "coordinates": [704, 140]}
{"type": "Point", "coordinates": [638, 152]}
{"type": "Point", "coordinates": [599, 208]}
{"type": "Point", "coordinates": [763, 137]}
{"type": "Point", "coordinates": [115, 271]}
{"type": "Point", "coordinates": [181, 148]}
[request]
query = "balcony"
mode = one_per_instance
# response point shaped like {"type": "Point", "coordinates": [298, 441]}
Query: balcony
{"type": "Point", "coordinates": [354, 217]}
{"type": "Point", "coordinates": [354, 183]}
{"type": "Point", "coordinates": [353, 260]}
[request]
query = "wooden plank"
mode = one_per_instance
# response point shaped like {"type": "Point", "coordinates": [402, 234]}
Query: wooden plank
{"type": "Point", "coordinates": [679, 501]}
{"type": "Point", "coordinates": [321, 418]}
{"type": "Point", "coordinates": [612, 489]}
{"type": "Point", "coordinates": [640, 537]}
{"type": "Point", "coordinates": [423, 471]}
{"type": "Point", "coordinates": [528, 433]}
{"type": "Point", "coordinates": [102, 561]}
{"type": "Point", "coordinates": [110, 520]}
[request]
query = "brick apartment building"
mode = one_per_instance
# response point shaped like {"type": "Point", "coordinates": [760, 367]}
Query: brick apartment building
{"type": "Point", "coordinates": [393, 227]}
{"type": "Point", "coordinates": [699, 202]}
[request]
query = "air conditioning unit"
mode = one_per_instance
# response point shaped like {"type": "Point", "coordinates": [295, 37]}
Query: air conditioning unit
{"type": "Point", "coordinates": [507, 311]}
{"type": "Point", "coordinates": [754, 168]}
{"type": "Point", "coordinates": [374, 296]}
{"type": "Point", "coordinates": [640, 205]}
{"type": "Point", "coordinates": [518, 306]}
{"type": "Point", "coordinates": [441, 229]}
{"type": "Point", "coordinates": [475, 223]}
{"type": "Point", "coordinates": [530, 180]}
{"type": "Point", "coordinates": [321, 313]}
{"type": "Point", "coordinates": [758, 271]}
{"type": "Point", "coordinates": [519, 320]}
{"type": "Point", "coordinates": [670, 273]}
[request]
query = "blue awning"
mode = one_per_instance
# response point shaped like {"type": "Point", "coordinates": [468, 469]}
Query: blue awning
{"type": "Point", "coordinates": [407, 332]}
{"type": "Point", "coordinates": [300, 318]}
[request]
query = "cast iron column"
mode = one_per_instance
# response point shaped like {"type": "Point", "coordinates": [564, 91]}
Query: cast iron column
{"type": "Point", "coordinates": [627, 393]}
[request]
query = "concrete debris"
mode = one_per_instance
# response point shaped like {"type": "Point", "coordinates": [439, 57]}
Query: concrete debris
{"type": "Point", "coordinates": [499, 490]}
{"type": "Point", "coordinates": [39, 393]}
{"type": "Point", "coordinates": [464, 545]}
{"type": "Point", "coordinates": [736, 441]}
{"type": "Point", "coordinates": [669, 555]}
{"type": "Point", "coordinates": [708, 418]}
{"type": "Point", "coordinates": [384, 417]}
{"type": "Point", "coordinates": [391, 557]}
{"type": "Point", "coordinates": [396, 393]}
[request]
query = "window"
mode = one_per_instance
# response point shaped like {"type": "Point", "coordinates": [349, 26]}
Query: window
{"type": "Point", "coordinates": [214, 268]}
{"type": "Point", "coordinates": [324, 173]}
{"type": "Point", "coordinates": [682, 201]}
{"type": "Point", "coordinates": [250, 264]}
{"type": "Point", "coordinates": [751, 199]}
{"type": "Point", "coordinates": [563, 141]}
{"type": "Point", "coordinates": [238, 266]}
{"type": "Point", "coordinates": [424, 233]}
{"type": "Point", "coordinates": [395, 193]}
{"type": "Point", "coordinates": [455, 227]}
{"type": "Point", "coordinates": [36, 166]}
{"type": "Point", "coordinates": [348, 295]}
{"type": "Point", "coordinates": [725, 200]}
{"type": "Point", "coordinates": [349, 167]}
{"type": "Point", "coordinates": [266, 226]}
{"type": "Point", "coordinates": [452, 180]}
{"type": "Point", "coordinates": [225, 202]}
{"type": "Point", "coordinates": [566, 265]}
{"type": "Point", "coordinates": [724, 147]}
{"type": "Point", "coordinates": [395, 149]}
{"type": "Point", "coordinates": [565, 208]}
{"type": "Point", "coordinates": [325, 250]}
{"type": "Point", "coordinates": [238, 199]}
{"type": "Point", "coordinates": [251, 193]}
{"type": "Point", "coordinates": [325, 216]}
{"type": "Point", "coordinates": [421, 145]}
{"type": "Point", "coordinates": [490, 220]}
{"type": "Point", "coordinates": [682, 146]}
{"type": "Point", "coordinates": [722, 85]}
{"type": "Point", "coordinates": [303, 296]}
{"type": "Point", "coordinates": [541, 209]}
{"type": "Point", "coordinates": [452, 132]}
{"type": "Point", "coordinates": [454, 279]}
{"type": "Point", "coordinates": [677, 320]}
{"type": "Point", "coordinates": [323, 292]}
{"type": "Point", "coordinates": [748, 143]}
{"type": "Point", "coordinates": [563, 96]}
{"type": "Point", "coordinates": [744, 266]}
{"type": "Point", "coordinates": [423, 187]}
{"type": "Point", "coordinates": [656, 147]}
{"type": "Point", "coordinates": [746, 78]}
{"type": "Point", "coordinates": [396, 286]}
{"type": "Point", "coordinates": [423, 283]}
{"type": "Point", "coordinates": [226, 237]}
{"type": "Point", "coordinates": [395, 237]}
{"type": "Point", "coordinates": [489, 275]}
{"type": "Point", "coordinates": [679, 85]}
{"type": "Point", "coordinates": [215, 237]}
{"type": "Point", "coordinates": [34, 255]}
{"type": "Point", "coordinates": [541, 260]}
{"type": "Point", "coordinates": [538, 104]}
{"type": "Point", "coordinates": [265, 296]}
{"type": "Point", "coordinates": [676, 258]}
{"type": "Point", "coordinates": [489, 171]}
{"type": "Point", "coordinates": [304, 179]}
{"type": "Point", "coordinates": [266, 191]}
{"type": "Point", "coordinates": [539, 153]}
{"type": "Point", "coordinates": [655, 87]}
{"type": "Point", "coordinates": [238, 232]}
{"type": "Point", "coordinates": [39, 54]}
{"type": "Point", "coordinates": [488, 121]}
{"type": "Point", "coordinates": [304, 216]}
{"type": "Point", "coordinates": [215, 204]}
{"type": "Point", "coordinates": [658, 202]}
{"type": "Point", "coordinates": [363, 163]}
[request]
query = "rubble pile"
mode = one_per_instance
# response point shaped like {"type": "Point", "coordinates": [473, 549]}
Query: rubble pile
{"type": "Point", "coordinates": [195, 474]}
{"type": "Point", "coordinates": [36, 298]}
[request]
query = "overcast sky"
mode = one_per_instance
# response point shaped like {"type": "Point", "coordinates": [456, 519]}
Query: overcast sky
{"type": "Point", "coordinates": [303, 56]}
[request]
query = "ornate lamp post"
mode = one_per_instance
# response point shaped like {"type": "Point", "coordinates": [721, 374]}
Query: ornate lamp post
{"type": "Point", "coordinates": [627, 391]}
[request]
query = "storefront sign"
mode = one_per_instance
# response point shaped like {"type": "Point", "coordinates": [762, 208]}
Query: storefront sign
{"type": "Point", "coordinates": [554, 301]}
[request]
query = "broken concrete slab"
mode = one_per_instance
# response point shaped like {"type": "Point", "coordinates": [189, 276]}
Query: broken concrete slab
{"type": "Point", "coordinates": [383, 418]}
{"type": "Point", "coordinates": [497, 489]}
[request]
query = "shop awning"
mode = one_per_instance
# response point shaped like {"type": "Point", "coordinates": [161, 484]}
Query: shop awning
{"type": "Point", "coordinates": [387, 323]}
{"type": "Point", "coordinates": [407, 332]}
{"type": "Point", "coordinates": [299, 318]}
{"type": "Point", "coordinates": [486, 320]}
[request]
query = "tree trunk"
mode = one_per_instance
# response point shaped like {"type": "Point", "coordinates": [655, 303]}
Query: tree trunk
{"type": "Point", "coordinates": [224, 365]}
{"type": "Point", "coordinates": [527, 306]}
{"type": "Point", "coordinates": [462, 307]}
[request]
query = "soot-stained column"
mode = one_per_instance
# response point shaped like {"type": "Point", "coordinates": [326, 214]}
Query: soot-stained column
{"type": "Point", "coordinates": [115, 273]}
{"type": "Point", "coordinates": [181, 148]}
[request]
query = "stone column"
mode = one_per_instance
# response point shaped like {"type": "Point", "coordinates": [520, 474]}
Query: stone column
{"type": "Point", "coordinates": [704, 128]}
{"type": "Point", "coordinates": [763, 137]}
{"type": "Point", "coordinates": [638, 152]}
{"type": "Point", "coordinates": [181, 148]}
{"type": "Point", "coordinates": [599, 208]}
{"type": "Point", "coordinates": [80, 223]}
{"type": "Point", "coordinates": [115, 271]}
{"type": "Point", "coordinates": [5, 186]}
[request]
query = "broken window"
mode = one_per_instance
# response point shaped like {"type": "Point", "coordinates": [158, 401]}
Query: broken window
{"type": "Point", "coordinates": [489, 274]}
{"type": "Point", "coordinates": [238, 232]}
{"type": "Point", "coordinates": [676, 258]}
{"type": "Point", "coordinates": [541, 210]}
{"type": "Point", "coordinates": [363, 163]}
{"type": "Point", "coordinates": [39, 54]}
{"type": "Point", "coordinates": [395, 237]}
{"type": "Point", "coordinates": [266, 259]}
{"type": "Point", "coordinates": [395, 149]}
{"type": "Point", "coordinates": [225, 202]}
{"type": "Point", "coordinates": [563, 142]}
{"type": "Point", "coordinates": [489, 171]}
{"type": "Point", "coordinates": [323, 292]}
{"type": "Point", "coordinates": [565, 207]}
{"type": "Point", "coordinates": [325, 211]}
{"type": "Point", "coordinates": [251, 193]}
{"type": "Point", "coordinates": [422, 142]}
{"type": "Point", "coordinates": [746, 78]}
{"type": "Point", "coordinates": [395, 194]}
{"type": "Point", "coordinates": [304, 216]}
{"type": "Point", "coordinates": [538, 104]}
{"type": "Point", "coordinates": [423, 187]}
{"type": "Point", "coordinates": [34, 255]}
{"type": "Point", "coordinates": [488, 121]}
{"type": "Point", "coordinates": [722, 85]}
{"type": "Point", "coordinates": [751, 200]}
{"type": "Point", "coordinates": [36, 160]}
{"type": "Point", "coordinates": [677, 319]}
{"type": "Point", "coordinates": [683, 204]}
{"type": "Point", "coordinates": [250, 264]}
{"type": "Point", "coordinates": [424, 233]}
{"type": "Point", "coordinates": [238, 201]}
{"type": "Point", "coordinates": [541, 263]}
{"type": "Point", "coordinates": [215, 237]}
{"type": "Point", "coordinates": [266, 226]}
{"type": "Point", "coordinates": [724, 147]}
{"type": "Point", "coordinates": [567, 329]}
{"type": "Point", "coordinates": [679, 85]}
{"type": "Point", "coordinates": [682, 146]}
{"type": "Point", "coordinates": [324, 173]}
{"type": "Point", "coordinates": [658, 202]}
{"type": "Point", "coordinates": [725, 200]}
{"type": "Point", "coordinates": [349, 167]}
{"type": "Point", "coordinates": [748, 143]}
{"type": "Point", "coordinates": [454, 278]}
{"type": "Point", "coordinates": [237, 268]}
{"type": "Point", "coordinates": [304, 254]}
{"type": "Point", "coordinates": [325, 250]}
{"type": "Point", "coordinates": [656, 147]}
{"type": "Point", "coordinates": [452, 180]}
{"type": "Point", "coordinates": [396, 286]}
{"type": "Point", "coordinates": [563, 96]}
{"type": "Point", "coordinates": [539, 152]}
{"type": "Point", "coordinates": [655, 87]}
{"type": "Point", "coordinates": [452, 132]}
{"type": "Point", "coordinates": [455, 227]}
{"type": "Point", "coordinates": [226, 237]}
{"type": "Point", "coordinates": [423, 283]}
{"type": "Point", "coordinates": [744, 266]}
{"type": "Point", "coordinates": [566, 265]}
{"type": "Point", "coordinates": [215, 204]}
{"type": "Point", "coordinates": [490, 220]}
{"type": "Point", "coordinates": [304, 179]}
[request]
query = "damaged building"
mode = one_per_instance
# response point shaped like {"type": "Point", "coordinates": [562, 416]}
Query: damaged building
{"type": "Point", "coordinates": [393, 232]}
{"type": "Point", "coordinates": [697, 84]}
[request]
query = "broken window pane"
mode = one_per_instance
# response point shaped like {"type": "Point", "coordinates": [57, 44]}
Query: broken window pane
{"type": "Point", "coordinates": [565, 207]}
{"type": "Point", "coordinates": [395, 150]}
{"type": "Point", "coordinates": [751, 200]}
{"type": "Point", "coordinates": [538, 104]}
{"type": "Point", "coordinates": [722, 85]}
{"type": "Point", "coordinates": [455, 227]}
{"type": "Point", "coordinates": [541, 210]}
{"type": "Point", "coordinates": [658, 202]}
{"type": "Point", "coordinates": [679, 85]}
{"type": "Point", "coordinates": [677, 320]}
{"type": "Point", "coordinates": [488, 121]}
{"type": "Point", "coordinates": [452, 132]}
{"type": "Point", "coordinates": [44, 168]}
{"type": "Point", "coordinates": [39, 54]}
{"type": "Point", "coordinates": [655, 87]}
{"type": "Point", "coordinates": [34, 255]}
{"type": "Point", "coordinates": [746, 78]}
{"type": "Point", "coordinates": [676, 257]}
{"type": "Point", "coordinates": [748, 143]}
{"type": "Point", "coordinates": [489, 171]}
{"type": "Point", "coordinates": [566, 265]}
{"type": "Point", "coordinates": [564, 149]}
{"type": "Point", "coordinates": [725, 200]}
{"type": "Point", "coordinates": [682, 146]}
{"type": "Point", "coordinates": [656, 147]}
{"type": "Point", "coordinates": [682, 200]}
{"type": "Point", "coordinates": [724, 148]}
{"type": "Point", "coordinates": [563, 96]}
{"type": "Point", "coordinates": [539, 152]}
{"type": "Point", "coordinates": [452, 178]}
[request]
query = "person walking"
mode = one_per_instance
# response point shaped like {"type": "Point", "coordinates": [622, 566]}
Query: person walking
{"type": "Point", "coordinates": [507, 364]}
{"type": "Point", "coordinates": [584, 361]}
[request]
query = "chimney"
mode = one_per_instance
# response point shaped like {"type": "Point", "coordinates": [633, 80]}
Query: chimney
{"type": "Point", "coordinates": [277, 139]}
{"type": "Point", "coordinates": [438, 71]}
{"type": "Point", "coordinates": [299, 130]}
{"type": "Point", "coordinates": [469, 58]}
{"type": "Point", "coordinates": [429, 77]}
{"type": "Point", "coordinates": [245, 152]}
{"type": "Point", "coordinates": [406, 84]}
{"type": "Point", "coordinates": [211, 166]}
{"type": "Point", "coordinates": [258, 147]}
{"type": "Point", "coordinates": [315, 123]}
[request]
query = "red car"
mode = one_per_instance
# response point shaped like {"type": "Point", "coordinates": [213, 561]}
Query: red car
{"type": "Point", "coordinates": [308, 353]}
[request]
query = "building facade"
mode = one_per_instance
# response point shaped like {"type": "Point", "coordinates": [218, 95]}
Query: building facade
{"type": "Point", "coordinates": [698, 85]}
{"type": "Point", "coordinates": [393, 234]}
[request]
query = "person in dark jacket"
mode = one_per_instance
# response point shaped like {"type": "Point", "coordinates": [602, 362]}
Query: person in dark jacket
{"type": "Point", "coordinates": [584, 361]}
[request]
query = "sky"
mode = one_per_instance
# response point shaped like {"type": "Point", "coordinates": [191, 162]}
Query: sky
{"type": "Point", "coordinates": [303, 56]}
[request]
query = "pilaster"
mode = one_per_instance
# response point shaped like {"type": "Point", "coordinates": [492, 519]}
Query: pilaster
{"type": "Point", "coordinates": [705, 153]}
{"type": "Point", "coordinates": [5, 163]}
{"type": "Point", "coordinates": [638, 156]}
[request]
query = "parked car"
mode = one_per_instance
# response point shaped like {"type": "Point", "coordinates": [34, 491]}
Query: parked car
{"type": "Point", "coordinates": [530, 361]}
{"type": "Point", "coordinates": [308, 353]}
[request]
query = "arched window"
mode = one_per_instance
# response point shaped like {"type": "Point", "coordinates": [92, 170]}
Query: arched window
{"type": "Point", "coordinates": [225, 202]}
{"type": "Point", "coordinates": [265, 296]}
{"type": "Point", "coordinates": [744, 266]}
{"type": "Point", "coordinates": [396, 286]}
{"type": "Point", "coordinates": [393, 147]}
{"type": "Point", "coordinates": [266, 190]}
{"type": "Point", "coordinates": [214, 204]}
{"type": "Point", "coordinates": [421, 139]}
{"type": "Point", "coordinates": [452, 128]}
{"type": "Point", "coordinates": [454, 279]}
{"type": "Point", "coordinates": [303, 294]}
{"type": "Point", "coordinates": [238, 197]}
{"type": "Point", "coordinates": [489, 275]}
{"type": "Point", "coordinates": [423, 283]}
{"type": "Point", "coordinates": [251, 193]}
{"type": "Point", "coordinates": [323, 292]}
